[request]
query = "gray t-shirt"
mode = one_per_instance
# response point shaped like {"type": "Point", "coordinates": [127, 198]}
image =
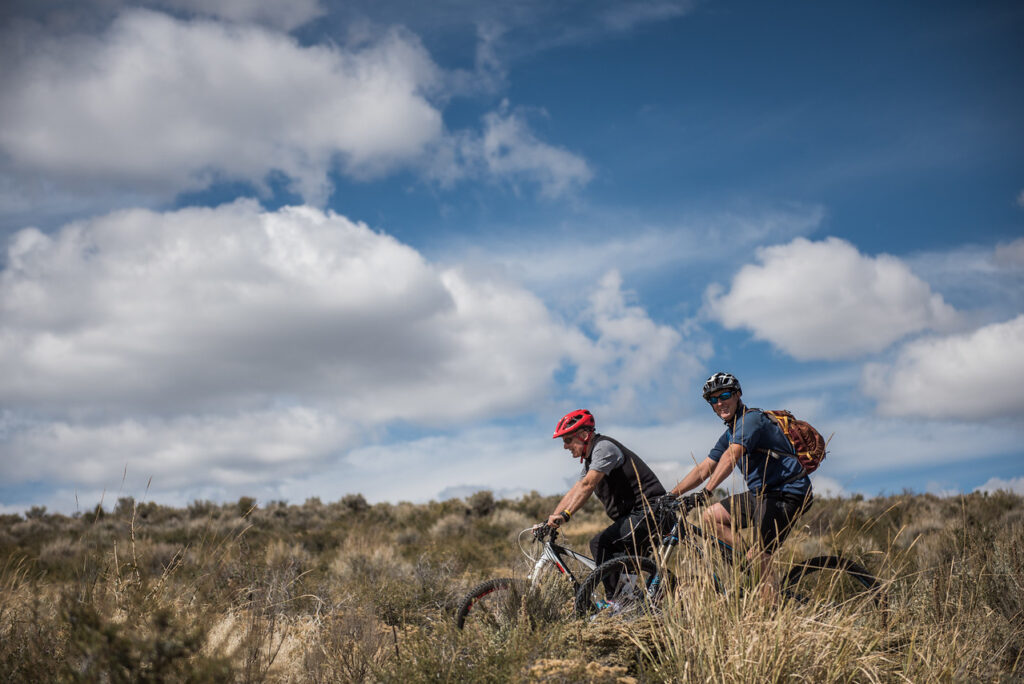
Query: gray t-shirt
{"type": "Point", "coordinates": [605, 458]}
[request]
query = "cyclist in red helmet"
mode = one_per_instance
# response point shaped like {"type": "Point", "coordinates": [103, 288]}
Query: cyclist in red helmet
{"type": "Point", "coordinates": [620, 479]}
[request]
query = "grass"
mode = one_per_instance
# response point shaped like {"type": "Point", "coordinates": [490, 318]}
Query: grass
{"type": "Point", "coordinates": [353, 592]}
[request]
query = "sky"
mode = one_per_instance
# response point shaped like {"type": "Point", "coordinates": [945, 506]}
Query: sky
{"type": "Point", "coordinates": [304, 248]}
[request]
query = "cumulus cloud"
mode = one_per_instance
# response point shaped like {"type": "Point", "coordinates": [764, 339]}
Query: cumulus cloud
{"type": "Point", "coordinates": [204, 306]}
{"type": "Point", "coordinates": [163, 105]}
{"type": "Point", "coordinates": [631, 355]}
{"type": "Point", "coordinates": [157, 106]}
{"type": "Point", "coordinates": [966, 376]}
{"type": "Point", "coordinates": [826, 300]}
{"type": "Point", "coordinates": [238, 344]}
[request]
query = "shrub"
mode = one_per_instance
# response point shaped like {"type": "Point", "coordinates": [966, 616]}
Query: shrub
{"type": "Point", "coordinates": [354, 503]}
{"type": "Point", "coordinates": [481, 503]}
{"type": "Point", "coordinates": [245, 506]}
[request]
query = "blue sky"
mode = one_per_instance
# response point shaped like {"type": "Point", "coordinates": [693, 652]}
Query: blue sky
{"type": "Point", "coordinates": [307, 248]}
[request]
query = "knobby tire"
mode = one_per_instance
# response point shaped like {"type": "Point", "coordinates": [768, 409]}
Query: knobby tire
{"type": "Point", "coordinates": [491, 600]}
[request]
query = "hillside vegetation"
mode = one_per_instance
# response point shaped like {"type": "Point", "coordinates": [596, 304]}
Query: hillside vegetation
{"type": "Point", "coordinates": [352, 592]}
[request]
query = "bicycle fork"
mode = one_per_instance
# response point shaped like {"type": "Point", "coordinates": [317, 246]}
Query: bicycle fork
{"type": "Point", "coordinates": [547, 558]}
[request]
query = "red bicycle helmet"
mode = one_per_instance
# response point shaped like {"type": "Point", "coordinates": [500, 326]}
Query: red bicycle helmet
{"type": "Point", "coordinates": [573, 421]}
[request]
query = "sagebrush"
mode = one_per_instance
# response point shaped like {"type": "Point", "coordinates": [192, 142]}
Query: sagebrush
{"type": "Point", "coordinates": [351, 592]}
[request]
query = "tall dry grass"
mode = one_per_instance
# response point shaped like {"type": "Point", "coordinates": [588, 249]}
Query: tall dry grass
{"type": "Point", "coordinates": [352, 592]}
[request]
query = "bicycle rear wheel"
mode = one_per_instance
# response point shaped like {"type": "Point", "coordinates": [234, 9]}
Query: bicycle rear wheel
{"type": "Point", "coordinates": [627, 586]}
{"type": "Point", "coordinates": [833, 581]}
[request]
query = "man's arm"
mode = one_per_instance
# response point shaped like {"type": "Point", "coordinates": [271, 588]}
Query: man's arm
{"type": "Point", "coordinates": [698, 474]}
{"type": "Point", "coordinates": [576, 497]}
{"type": "Point", "coordinates": [725, 465]}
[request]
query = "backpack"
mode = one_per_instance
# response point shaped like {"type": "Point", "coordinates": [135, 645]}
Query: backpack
{"type": "Point", "coordinates": [808, 444]}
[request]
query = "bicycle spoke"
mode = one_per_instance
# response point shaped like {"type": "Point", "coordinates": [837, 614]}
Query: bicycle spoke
{"type": "Point", "coordinates": [492, 606]}
{"type": "Point", "coordinates": [499, 605]}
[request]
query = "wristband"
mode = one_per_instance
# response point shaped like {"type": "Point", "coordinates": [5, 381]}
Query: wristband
{"type": "Point", "coordinates": [566, 515]}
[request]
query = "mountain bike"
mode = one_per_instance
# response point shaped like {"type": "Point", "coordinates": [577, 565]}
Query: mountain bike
{"type": "Point", "coordinates": [548, 590]}
{"type": "Point", "coordinates": [628, 585]}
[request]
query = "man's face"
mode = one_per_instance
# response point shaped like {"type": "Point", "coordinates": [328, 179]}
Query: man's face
{"type": "Point", "coordinates": [576, 443]}
{"type": "Point", "coordinates": [725, 403]}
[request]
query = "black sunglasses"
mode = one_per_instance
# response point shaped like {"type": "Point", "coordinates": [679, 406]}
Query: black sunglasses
{"type": "Point", "coordinates": [722, 396]}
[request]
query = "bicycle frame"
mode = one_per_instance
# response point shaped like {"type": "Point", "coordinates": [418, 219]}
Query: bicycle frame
{"type": "Point", "coordinates": [685, 531]}
{"type": "Point", "coordinates": [554, 554]}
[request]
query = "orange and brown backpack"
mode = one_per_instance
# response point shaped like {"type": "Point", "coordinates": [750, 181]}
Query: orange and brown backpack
{"type": "Point", "coordinates": [808, 444]}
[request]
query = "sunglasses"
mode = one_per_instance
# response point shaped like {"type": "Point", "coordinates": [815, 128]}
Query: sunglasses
{"type": "Point", "coordinates": [723, 396]}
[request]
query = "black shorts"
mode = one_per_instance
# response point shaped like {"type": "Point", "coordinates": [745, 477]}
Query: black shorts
{"type": "Point", "coordinates": [774, 513]}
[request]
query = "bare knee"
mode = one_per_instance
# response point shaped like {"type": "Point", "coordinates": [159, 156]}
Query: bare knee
{"type": "Point", "coordinates": [717, 515]}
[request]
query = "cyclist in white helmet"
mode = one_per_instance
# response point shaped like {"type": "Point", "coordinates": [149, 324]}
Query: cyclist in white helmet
{"type": "Point", "coordinates": [779, 490]}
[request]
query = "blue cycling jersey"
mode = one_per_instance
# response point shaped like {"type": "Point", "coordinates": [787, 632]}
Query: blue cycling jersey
{"type": "Point", "coordinates": [758, 435]}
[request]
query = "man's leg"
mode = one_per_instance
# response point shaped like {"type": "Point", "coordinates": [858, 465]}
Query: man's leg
{"type": "Point", "coordinates": [778, 513]}
{"type": "Point", "coordinates": [720, 521]}
{"type": "Point", "coordinates": [731, 514]}
{"type": "Point", "coordinates": [626, 536]}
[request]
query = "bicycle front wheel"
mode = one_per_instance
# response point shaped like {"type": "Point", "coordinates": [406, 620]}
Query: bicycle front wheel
{"type": "Point", "coordinates": [492, 605]}
{"type": "Point", "coordinates": [627, 586]}
{"type": "Point", "coordinates": [833, 581]}
{"type": "Point", "coordinates": [503, 603]}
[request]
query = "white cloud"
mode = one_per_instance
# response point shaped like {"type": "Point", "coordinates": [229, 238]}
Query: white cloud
{"type": "Point", "coordinates": [995, 484]}
{"type": "Point", "coordinates": [620, 241]}
{"type": "Point", "coordinates": [825, 300]}
{"type": "Point", "coordinates": [827, 486]}
{"type": "Point", "coordinates": [211, 346]}
{"type": "Point", "coordinates": [866, 448]}
{"type": "Point", "coordinates": [984, 282]}
{"type": "Point", "coordinates": [161, 105]}
{"type": "Point", "coordinates": [155, 106]}
{"type": "Point", "coordinates": [205, 306]}
{"type": "Point", "coordinates": [1010, 254]}
{"type": "Point", "coordinates": [631, 355]}
{"type": "Point", "coordinates": [968, 376]}
{"type": "Point", "coordinates": [510, 150]}
{"type": "Point", "coordinates": [235, 451]}
{"type": "Point", "coordinates": [507, 150]}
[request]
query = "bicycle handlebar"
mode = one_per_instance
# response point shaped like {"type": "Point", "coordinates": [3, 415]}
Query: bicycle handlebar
{"type": "Point", "coordinates": [671, 504]}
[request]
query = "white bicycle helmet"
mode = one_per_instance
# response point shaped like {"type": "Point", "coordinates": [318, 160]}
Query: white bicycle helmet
{"type": "Point", "coordinates": [721, 381]}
